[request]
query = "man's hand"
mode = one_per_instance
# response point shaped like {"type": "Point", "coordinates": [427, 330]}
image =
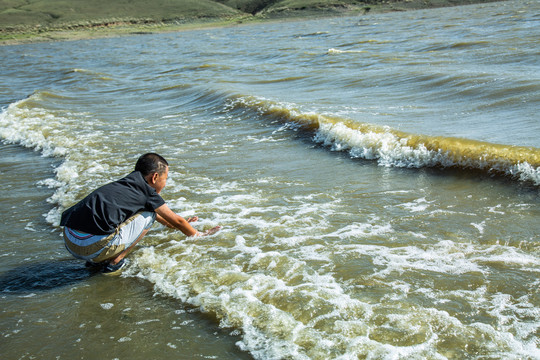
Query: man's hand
{"type": "Point", "coordinates": [212, 231]}
{"type": "Point", "coordinates": [167, 217]}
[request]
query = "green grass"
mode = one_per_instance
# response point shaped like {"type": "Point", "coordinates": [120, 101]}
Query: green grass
{"type": "Point", "coordinates": [20, 13]}
{"type": "Point", "coordinates": [26, 18]}
{"type": "Point", "coordinates": [58, 13]}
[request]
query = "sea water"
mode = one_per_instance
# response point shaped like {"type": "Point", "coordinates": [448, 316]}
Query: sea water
{"type": "Point", "coordinates": [376, 176]}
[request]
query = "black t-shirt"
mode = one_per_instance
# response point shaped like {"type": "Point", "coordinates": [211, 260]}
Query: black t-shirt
{"type": "Point", "coordinates": [110, 205]}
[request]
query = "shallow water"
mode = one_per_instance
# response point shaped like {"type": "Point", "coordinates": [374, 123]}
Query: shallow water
{"type": "Point", "coordinates": [377, 178]}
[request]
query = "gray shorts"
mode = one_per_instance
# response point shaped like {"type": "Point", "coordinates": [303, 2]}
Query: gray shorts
{"type": "Point", "coordinates": [98, 248]}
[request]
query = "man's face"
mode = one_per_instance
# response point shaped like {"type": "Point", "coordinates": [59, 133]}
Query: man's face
{"type": "Point", "coordinates": [161, 180]}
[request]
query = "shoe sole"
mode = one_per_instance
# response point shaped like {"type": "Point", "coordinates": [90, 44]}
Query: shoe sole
{"type": "Point", "coordinates": [115, 272]}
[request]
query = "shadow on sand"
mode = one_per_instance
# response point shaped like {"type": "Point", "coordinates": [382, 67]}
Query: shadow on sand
{"type": "Point", "coordinates": [44, 276]}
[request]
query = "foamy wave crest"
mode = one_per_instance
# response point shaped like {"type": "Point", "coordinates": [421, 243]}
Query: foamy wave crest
{"type": "Point", "coordinates": [390, 147]}
{"type": "Point", "coordinates": [30, 128]}
{"type": "Point", "coordinates": [285, 308]}
{"type": "Point", "coordinates": [57, 133]}
{"type": "Point", "coordinates": [393, 148]}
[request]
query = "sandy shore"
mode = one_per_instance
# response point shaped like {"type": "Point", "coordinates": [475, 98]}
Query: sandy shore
{"type": "Point", "coordinates": [14, 35]}
{"type": "Point", "coordinates": [104, 31]}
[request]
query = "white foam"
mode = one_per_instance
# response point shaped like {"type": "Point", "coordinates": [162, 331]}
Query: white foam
{"type": "Point", "coordinates": [53, 132]}
{"type": "Point", "coordinates": [417, 205]}
{"type": "Point", "coordinates": [495, 209]}
{"type": "Point", "coordinates": [107, 306]}
{"type": "Point", "coordinates": [480, 226]}
{"type": "Point", "coordinates": [241, 246]}
{"type": "Point", "coordinates": [338, 51]}
{"type": "Point", "coordinates": [444, 257]}
{"type": "Point", "coordinates": [384, 147]}
{"type": "Point", "coordinates": [525, 172]}
{"type": "Point", "coordinates": [361, 230]}
{"type": "Point", "coordinates": [250, 302]}
{"type": "Point", "coordinates": [390, 150]}
{"type": "Point", "coordinates": [29, 127]}
{"type": "Point", "coordinates": [507, 255]}
{"type": "Point", "coordinates": [30, 227]}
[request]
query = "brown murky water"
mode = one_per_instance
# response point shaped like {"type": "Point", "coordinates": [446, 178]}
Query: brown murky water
{"type": "Point", "coordinates": [376, 177]}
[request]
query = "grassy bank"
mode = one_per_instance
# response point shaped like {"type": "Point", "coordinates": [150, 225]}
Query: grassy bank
{"type": "Point", "coordinates": [51, 20]}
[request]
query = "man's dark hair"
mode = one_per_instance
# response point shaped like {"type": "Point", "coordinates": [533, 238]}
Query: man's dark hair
{"type": "Point", "coordinates": [151, 163]}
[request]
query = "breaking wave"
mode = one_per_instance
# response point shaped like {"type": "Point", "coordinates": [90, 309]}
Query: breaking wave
{"type": "Point", "coordinates": [390, 147]}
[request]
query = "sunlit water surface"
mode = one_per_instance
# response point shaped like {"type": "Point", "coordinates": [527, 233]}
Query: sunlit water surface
{"type": "Point", "coordinates": [377, 179]}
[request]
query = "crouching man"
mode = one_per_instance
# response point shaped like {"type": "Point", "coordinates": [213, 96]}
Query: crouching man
{"type": "Point", "coordinates": [105, 226]}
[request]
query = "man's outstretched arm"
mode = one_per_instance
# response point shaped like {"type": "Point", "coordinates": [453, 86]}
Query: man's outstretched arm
{"type": "Point", "coordinates": [170, 219]}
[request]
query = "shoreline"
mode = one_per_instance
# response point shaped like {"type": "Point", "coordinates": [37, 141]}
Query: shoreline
{"type": "Point", "coordinates": [126, 27]}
